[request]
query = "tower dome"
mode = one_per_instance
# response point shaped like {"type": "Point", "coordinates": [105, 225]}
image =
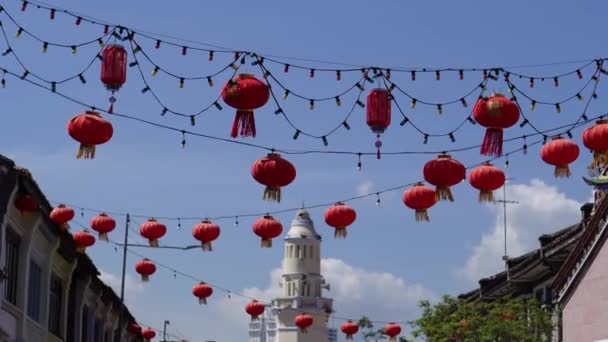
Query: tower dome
{"type": "Point", "coordinates": [302, 226]}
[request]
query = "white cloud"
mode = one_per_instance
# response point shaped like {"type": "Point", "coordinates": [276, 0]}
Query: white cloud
{"type": "Point", "coordinates": [132, 286]}
{"type": "Point", "coordinates": [541, 209]}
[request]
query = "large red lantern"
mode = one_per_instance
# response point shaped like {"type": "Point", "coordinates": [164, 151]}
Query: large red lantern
{"type": "Point", "coordinates": [61, 215]}
{"type": "Point", "coordinates": [420, 198]}
{"type": "Point", "coordinates": [202, 291]}
{"type": "Point", "coordinates": [206, 232]}
{"type": "Point", "coordinates": [340, 216]}
{"type": "Point", "coordinates": [267, 228]}
{"type": "Point", "coordinates": [378, 113]}
{"type": "Point", "coordinates": [444, 172]}
{"type": "Point", "coordinates": [303, 321]}
{"type": "Point", "coordinates": [245, 93]}
{"type": "Point", "coordinates": [392, 330]}
{"type": "Point", "coordinates": [103, 224]}
{"type": "Point", "coordinates": [255, 309]}
{"type": "Point", "coordinates": [596, 139]}
{"type": "Point", "coordinates": [274, 172]}
{"type": "Point", "coordinates": [496, 113]}
{"type": "Point", "coordinates": [560, 152]}
{"type": "Point", "coordinates": [90, 130]}
{"type": "Point", "coordinates": [83, 240]}
{"type": "Point", "coordinates": [145, 268]}
{"type": "Point", "coordinates": [134, 328]}
{"type": "Point", "coordinates": [148, 334]}
{"type": "Point", "coordinates": [486, 178]}
{"type": "Point", "coordinates": [152, 230]}
{"type": "Point", "coordinates": [349, 329]}
{"type": "Point", "coordinates": [25, 203]}
{"type": "Point", "coordinates": [113, 70]}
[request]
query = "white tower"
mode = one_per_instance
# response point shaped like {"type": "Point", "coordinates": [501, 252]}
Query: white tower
{"type": "Point", "coordinates": [302, 284]}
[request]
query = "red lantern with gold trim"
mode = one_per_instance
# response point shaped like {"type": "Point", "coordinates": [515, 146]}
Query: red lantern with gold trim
{"type": "Point", "coordinates": [255, 309]}
{"type": "Point", "coordinates": [349, 329]}
{"type": "Point", "coordinates": [496, 113]}
{"type": "Point", "coordinates": [83, 240]}
{"type": "Point", "coordinates": [595, 138]}
{"type": "Point", "coordinates": [61, 215]}
{"type": "Point", "coordinates": [145, 269]}
{"type": "Point", "coordinates": [378, 113]}
{"type": "Point", "coordinates": [486, 178]}
{"type": "Point", "coordinates": [25, 203]}
{"type": "Point", "coordinates": [103, 225]}
{"type": "Point", "coordinates": [202, 291]}
{"type": "Point", "coordinates": [303, 321]}
{"type": "Point", "coordinates": [340, 216]}
{"type": "Point", "coordinates": [444, 172]}
{"type": "Point", "coordinates": [148, 334]}
{"type": "Point", "coordinates": [90, 130]}
{"type": "Point", "coordinates": [113, 70]}
{"type": "Point", "coordinates": [560, 152]}
{"type": "Point", "coordinates": [267, 228]}
{"type": "Point", "coordinates": [245, 93]}
{"type": "Point", "coordinates": [274, 172]}
{"type": "Point", "coordinates": [392, 330]}
{"type": "Point", "coordinates": [206, 232]}
{"type": "Point", "coordinates": [153, 231]}
{"type": "Point", "coordinates": [420, 198]}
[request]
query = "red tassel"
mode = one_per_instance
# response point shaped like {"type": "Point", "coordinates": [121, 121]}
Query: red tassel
{"type": "Point", "coordinates": [492, 143]}
{"type": "Point", "coordinates": [111, 109]}
{"type": "Point", "coordinates": [378, 146]}
{"type": "Point", "coordinates": [245, 120]}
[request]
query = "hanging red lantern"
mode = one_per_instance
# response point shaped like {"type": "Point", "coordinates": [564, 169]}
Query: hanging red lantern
{"type": "Point", "coordinates": [340, 216]}
{"type": "Point", "coordinates": [496, 113]}
{"type": "Point", "coordinates": [61, 215]}
{"type": "Point", "coordinates": [202, 291]}
{"type": "Point", "coordinates": [135, 329]}
{"type": "Point", "coordinates": [152, 230]}
{"type": "Point", "coordinates": [83, 240]}
{"type": "Point", "coordinates": [378, 113]}
{"type": "Point", "coordinates": [245, 93]}
{"type": "Point", "coordinates": [349, 329]}
{"type": "Point", "coordinates": [103, 224]}
{"type": "Point", "coordinates": [596, 139]}
{"type": "Point", "coordinates": [148, 334]}
{"type": "Point", "coordinates": [274, 172]}
{"type": "Point", "coordinates": [392, 330]}
{"type": "Point", "coordinates": [303, 321]}
{"type": "Point", "coordinates": [145, 268]}
{"type": "Point", "coordinates": [90, 130]}
{"type": "Point", "coordinates": [486, 178]}
{"type": "Point", "coordinates": [560, 152]}
{"type": "Point", "coordinates": [267, 228]}
{"type": "Point", "coordinates": [255, 309]}
{"type": "Point", "coordinates": [113, 70]}
{"type": "Point", "coordinates": [26, 204]}
{"type": "Point", "coordinates": [206, 232]}
{"type": "Point", "coordinates": [444, 172]}
{"type": "Point", "coordinates": [420, 198]}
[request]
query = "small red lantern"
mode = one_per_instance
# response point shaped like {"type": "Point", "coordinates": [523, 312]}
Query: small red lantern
{"type": "Point", "coordinates": [465, 324]}
{"type": "Point", "coordinates": [255, 309]}
{"type": "Point", "coordinates": [206, 232]}
{"type": "Point", "coordinates": [113, 70]}
{"type": "Point", "coordinates": [392, 330]}
{"type": "Point", "coordinates": [202, 291]}
{"type": "Point", "coordinates": [267, 228]}
{"type": "Point", "coordinates": [89, 129]}
{"type": "Point", "coordinates": [303, 322]}
{"type": "Point", "coordinates": [148, 334]}
{"type": "Point", "coordinates": [25, 203]}
{"type": "Point", "coordinates": [145, 268]}
{"type": "Point", "coordinates": [274, 172]}
{"type": "Point", "coordinates": [83, 240]}
{"type": "Point", "coordinates": [560, 152]}
{"type": "Point", "coordinates": [134, 328]}
{"type": "Point", "coordinates": [245, 93]}
{"type": "Point", "coordinates": [420, 198]}
{"type": "Point", "coordinates": [496, 113]}
{"type": "Point", "coordinates": [340, 216]}
{"type": "Point", "coordinates": [486, 178]}
{"type": "Point", "coordinates": [378, 113]}
{"type": "Point", "coordinates": [444, 172]}
{"type": "Point", "coordinates": [596, 139]}
{"type": "Point", "coordinates": [103, 224]}
{"type": "Point", "coordinates": [61, 215]}
{"type": "Point", "coordinates": [152, 230]}
{"type": "Point", "coordinates": [349, 329]}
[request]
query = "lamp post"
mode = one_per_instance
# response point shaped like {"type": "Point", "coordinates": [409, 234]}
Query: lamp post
{"type": "Point", "coordinates": [165, 330]}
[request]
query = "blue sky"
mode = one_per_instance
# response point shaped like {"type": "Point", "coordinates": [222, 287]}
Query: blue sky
{"type": "Point", "coordinates": [143, 169]}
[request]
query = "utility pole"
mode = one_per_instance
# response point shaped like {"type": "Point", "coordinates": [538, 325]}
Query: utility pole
{"type": "Point", "coordinates": [504, 202]}
{"type": "Point", "coordinates": [122, 280]}
{"type": "Point", "coordinates": [165, 330]}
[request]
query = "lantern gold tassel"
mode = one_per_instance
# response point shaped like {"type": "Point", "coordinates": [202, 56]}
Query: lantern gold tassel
{"type": "Point", "coordinates": [202, 301]}
{"type": "Point", "coordinates": [599, 159]}
{"type": "Point", "coordinates": [266, 243]}
{"type": "Point", "coordinates": [154, 243]}
{"type": "Point", "coordinates": [86, 152]}
{"type": "Point", "coordinates": [145, 278]}
{"type": "Point", "coordinates": [422, 215]}
{"type": "Point", "coordinates": [206, 246]}
{"type": "Point", "coordinates": [562, 171]}
{"type": "Point", "coordinates": [392, 339]}
{"type": "Point", "coordinates": [255, 318]}
{"type": "Point", "coordinates": [486, 196]}
{"type": "Point", "coordinates": [80, 250]}
{"type": "Point", "coordinates": [65, 227]}
{"type": "Point", "coordinates": [272, 194]}
{"type": "Point", "coordinates": [103, 236]}
{"type": "Point", "coordinates": [340, 232]}
{"type": "Point", "coordinates": [444, 193]}
{"type": "Point", "coordinates": [304, 331]}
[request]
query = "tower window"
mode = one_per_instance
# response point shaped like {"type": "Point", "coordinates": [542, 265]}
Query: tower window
{"type": "Point", "coordinates": [304, 248]}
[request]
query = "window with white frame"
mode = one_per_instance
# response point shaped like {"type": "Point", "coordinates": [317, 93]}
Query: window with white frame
{"type": "Point", "coordinates": [55, 305]}
{"type": "Point", "coordinates": [11, 267]}
{"type": "Point", "coordinates": [34, 291]}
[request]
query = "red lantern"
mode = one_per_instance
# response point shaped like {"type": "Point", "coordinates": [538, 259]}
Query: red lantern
{"type": "Point", "coordinates": [495, 113]}
{"type": "Point", "coordinates": [274, 172]}
{"type": "Point", "coordinates": [378, 113]}
{"type": "Point", "coordinates": [349, 329]}
{"type": "Point", "coordinates": [340, 216]}
{"type": "Point", "coordinates": [145, 268]}
{"type": "Point", "coordinates": [134, 328]}
{"type": "Point", "coordinates": [444, 172]}
{"type": "Point", "coordinates": [560, 153]}
{"type": "Point", "coordinates": [26, 204]}
{"type": "Point", "coordinates": [148, 334]}
{"type": "Point", "coordinates": [255, 309]}
{"type": "Point", "coordinates": [596, 139]}
{"type": "Point", "coordinates": [202, 291]}
{"type": "Point", "coordinates": [267, 228]}
{"type": "Point", "coordinates": [61, 215]}
{"type": "Point", "coordinates": [245, 93]}
{"type": "Point", "coordinates": [303, 322]}
{"type": "Point", "coordinates": [206, 232]}
{"type": "Point", "coordinates": [152, 230]}
{"type": "Point", "coordinates": [83, 240]}
{"type": "Point", "coordinates": [392, 330]}
{"type": "Point", "coordinates": [103, 224]}
{"type": "Point", "coordinates": [420, 198]}
{"type": "Point", "coordinates": [486, 178]}
{"type": "Point", "coordinates": [89, 129]}
{"type": "Point", "coordinates": [113, 70]}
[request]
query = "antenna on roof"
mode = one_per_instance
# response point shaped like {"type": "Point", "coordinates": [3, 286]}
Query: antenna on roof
{"type": "Point", "coordinates": [504, 202]}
